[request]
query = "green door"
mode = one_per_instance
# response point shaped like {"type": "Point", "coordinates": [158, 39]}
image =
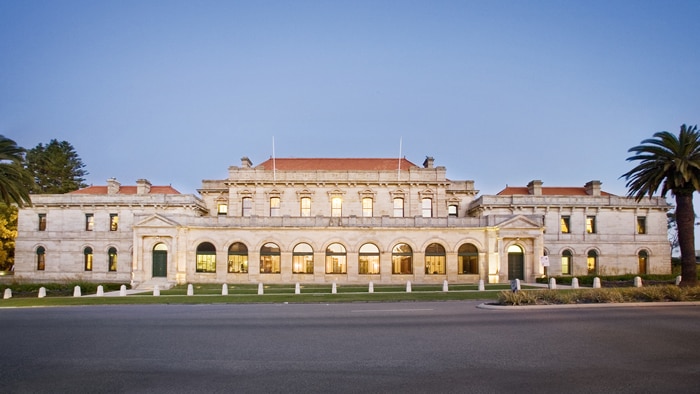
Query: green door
{"type": "Point", "coordinates": [160, 263]}
{"type": "Point", "coordinates": [516, 266]}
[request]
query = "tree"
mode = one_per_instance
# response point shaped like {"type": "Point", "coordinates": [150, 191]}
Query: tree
{"type": "Point", "coordinates": [8, 233]}
{"type": "Point", "coordinates": [14, 178]}
{"type": "Point", "coordinates": [56, 168]}
{"type": "Point", "coordinates": [671, 163]}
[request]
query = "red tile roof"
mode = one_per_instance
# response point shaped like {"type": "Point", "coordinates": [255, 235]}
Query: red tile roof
{"type": "Point", "coordinates": [548, 191]}
{"type": "Point", "coordinates": [97, 190]}
{"type": "Point", "coordinates": [293, 164]}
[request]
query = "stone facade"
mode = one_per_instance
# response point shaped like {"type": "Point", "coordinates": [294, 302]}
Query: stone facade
{"type": "Point", "coordinates": [325, 220]}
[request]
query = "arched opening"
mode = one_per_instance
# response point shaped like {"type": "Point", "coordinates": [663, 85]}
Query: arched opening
{"type": "Point", "coordinates": [368, 259]}
{"type": "Point", "coordinates": [238, 258]}
{"type": "Point", "coordinates": [435, 259]}
{"type": "Point", "coordinates": [303, 259]}
{"type": "Point", "coordinates": [270, 259]}
{"type": "Point", "coordinates": [402, 259]}
{"type": "Point", "coordinates": [206, 257]}
{"type": "Point", "coordinates": [468, 259]}
{"type": "Point", "coordinates": [160, 260]}
{"type": "Point", "coordinates": [643, 262]}
{"type": "Point", "coordinates": [336, 259]}
{"type": "Point", "coordinates": [516, 263]}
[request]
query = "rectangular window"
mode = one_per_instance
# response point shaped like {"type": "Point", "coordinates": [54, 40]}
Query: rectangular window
{"type": "Point", "coordinates": [427, 206]}
{"type": "Point", "coordinates": [590, 225]}
{"type": "Point", "coordinates": [113, 222]}
{"type": "Point", "coordinates": [367, 207]}
{"type": "Point", "coordinates": [452, 211]}
{"type": "Point", "coordinates": [247, 204]}
{"type": "Point", "coordinates": [641, 225]}
{"type": "Point", "coordinates": [305, 207]}
{"type": "Point", "coordinates": [565, 224]}
{"type": "Point", "coordinates": [42, 222]}
{"type": "Point", "coordinates": [336, 206]}
{"type": "Point", "coordinates": [398, 207]}
{"type": "Point", "coordinates": [222, 208]}
{"type": "Point", "coordinates": [274, 206]}
{"type": "Point", "coordinates": [89, 222]}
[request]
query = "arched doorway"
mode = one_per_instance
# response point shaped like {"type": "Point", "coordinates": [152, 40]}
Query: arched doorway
{"type": "Point", "coordinates": [160, 261]}
{"type": "Point", "coordinates": [516, 263]}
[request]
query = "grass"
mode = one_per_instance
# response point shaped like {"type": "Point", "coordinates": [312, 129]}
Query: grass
{"type": "Point", "coordinates": [595, 296]}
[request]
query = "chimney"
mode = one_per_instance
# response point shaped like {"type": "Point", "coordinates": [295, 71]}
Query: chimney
{"type": "Point", "coordinates": [428, 163]}
{"type": "Point", "coordinates": [113, 186]}
{"type": "Point", "coordinates": [593, 188]}
{"type": "Point", "coordinates": [143, 186]}
{"type": "Point", "coordinates": [245, 162]}
{"type": "Point", "coordinates": [535, 188]}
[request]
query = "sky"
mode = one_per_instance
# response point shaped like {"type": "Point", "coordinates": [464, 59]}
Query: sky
{"type": "Point", "coordinates": [500, 92]}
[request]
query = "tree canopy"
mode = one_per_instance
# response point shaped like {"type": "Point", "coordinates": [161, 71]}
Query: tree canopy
{"type": "Point", "coordinates": [15, 180]}
{"type": "Point", "coordinates": [56, 168]}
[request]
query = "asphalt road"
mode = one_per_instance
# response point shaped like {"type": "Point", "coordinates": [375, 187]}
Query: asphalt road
{"type": "Point", "coordinates": [435, 347]}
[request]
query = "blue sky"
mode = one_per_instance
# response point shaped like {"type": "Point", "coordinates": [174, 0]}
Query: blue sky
{"type": "Point", "coordinates": [500, 92]}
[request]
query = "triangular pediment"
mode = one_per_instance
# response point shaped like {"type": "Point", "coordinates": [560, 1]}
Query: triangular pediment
{"type": "Point", "coordinates": [519, 222]}
{"type": "Point", "coordinates": [157, 221]}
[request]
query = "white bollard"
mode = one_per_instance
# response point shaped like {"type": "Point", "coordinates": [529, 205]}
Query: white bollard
{"type": "Point", "coordinates": [334, 289]}
{"type": "Point", "coordinates": [517, 284]}
{"type": "Point", "coordinates": [156, 291]}
{"type": "Point", "coordinates": [42, 292]}
{"type": "Point", "coordinates": [552, 283]}
{"type": "Point", "coordinates": [444, 286]}
{"type": "Point", "coordinates": [678, 280]}
{"type": "Point", "coordinates": [260, 289]}
{"type": "Point", "coordinates": [190, 289]}
{"type": "Point", "coordinates": [408, 286]}
{"type": "Point", "coordinates": [574, 283]}
{"type": "Point", "coordinates": [481, 285]}
{"type": "Point", "coordinates": [371, 287]}
{"type": "Point", "coordinates": [596, 283]}
{"type": "Point", "coordinates": [297, 289]}
{"type": "Point", "coordinates": [8, 294]}
{"type": "Point", "coordinates": [76, 291]}
{"type": "Point", "coordinates": [224, 289]}
{"type": "Point", "coordinates": [100, 291]}
{"type": "Point", "coordinates": [637, 281]}
{"type": "Point", "coordinates": [122, 291]}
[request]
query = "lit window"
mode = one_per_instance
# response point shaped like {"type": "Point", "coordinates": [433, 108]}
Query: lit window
{"type": "Point", "coordinates": [89, 222]}
{"type": "Point", "coordinates": [427, 208]}
{"type": "Point", "coordinates": [590, 224]}
{"type": "Point", "coordinates": [303, 259]}
{"type": "Point", "coordinates": [592, 262]}
{"type": "Point", "coordinates": [402, 259]}
{"type": "Point", "coordinates": [238, 258]}
{"type": "Point", "coordinates": [468, 259]}
{"type": "Point", "coordinates": [435, 259]}
{"type": "Point", "coordinates": [274, 206]}
{"type": "Point", "coordinates": [367, 207]}
{"type": "Point", "coordinates": [42, 222]}
{"type": "Point", "coordinates": [369, 259]}
{"type": "Point", "coordinates": [305, 206]}
{"type": "Point", "coordinates": [221, 208]}
{"type": "Point", "coordinates": [566, 262]}
{"type": "Point", "coordinates": [565, 224]}
{"type": "Point", "coordinates": [112, 259]}
{"type": "Point", "coordinates": [88, 258]}
{"type": "Point", "coordinates": [40, 258]}
{"type": "Point", "coordinates": [247, 204]}
{"type": "Point", "coordinates": [336, 206]}
{"type": "Point", "coordinates": [452, 211]}
{"type": "Point", "coordinates": [113, 222]}
{"type": "Point", "coordinates": [206, 257]}
{"type": "Point", "coordinates": [641, 225]}
{"type": "Point", "coordinates": [270, 259]}
{"type": "Point", "coordinates": [398, 207]}
{"type": "Point", "coordinates": [643, 262]}
{"type": "Point", "coordinates": [336, 259]}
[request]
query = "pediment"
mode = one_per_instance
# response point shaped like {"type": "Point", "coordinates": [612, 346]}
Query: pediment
{"type": "Point", "coordinates": [519, 222]}
{"type": "Point", "coordinates": [157, 221]}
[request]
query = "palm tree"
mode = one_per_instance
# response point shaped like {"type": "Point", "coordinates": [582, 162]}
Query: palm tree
{"type": "Point", "coordinates": [671, 163]}
{"type": "Point", "coordinates": [15, 180]}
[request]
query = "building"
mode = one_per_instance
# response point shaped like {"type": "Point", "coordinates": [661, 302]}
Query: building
{"type": "Point", "coordinates": [336, 220]}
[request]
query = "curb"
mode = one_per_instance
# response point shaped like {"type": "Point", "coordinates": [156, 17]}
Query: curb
{"type": "Point", "coordinates": [586, 306]}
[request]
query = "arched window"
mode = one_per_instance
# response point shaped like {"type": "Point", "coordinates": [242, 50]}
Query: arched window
{"type": "Point", "coordinates": [88, 258]}
{"type": "Point", "coordinates": [592, 262]}
{"type": "Point", "coordinates": [206, 257]}
{"type": "Point", "coordinates": [303, 259]}
{"type": "Point", "coordinates": [238, 258]}
{"type": "Point", "coordinates": [435, 259]}
{"type": "Point", "coordinates": [468, 259]}
{"type": "Point", "coordinates": [40, 258]}
{"type": "Point", "coordinates": [336, 259]}
{"type": "Point", "coordinates": [402, 259]}
{"type": "Point", "coordinates": [368, 259]}
{"type": "Point", "coordinates": [643, 262]}
{"type": "Point", "coordinates": [567, 260]}
{"type": "Point", "coordinates": [270, 259]}
{"type": "Point", "coordinates": [112, 259]}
